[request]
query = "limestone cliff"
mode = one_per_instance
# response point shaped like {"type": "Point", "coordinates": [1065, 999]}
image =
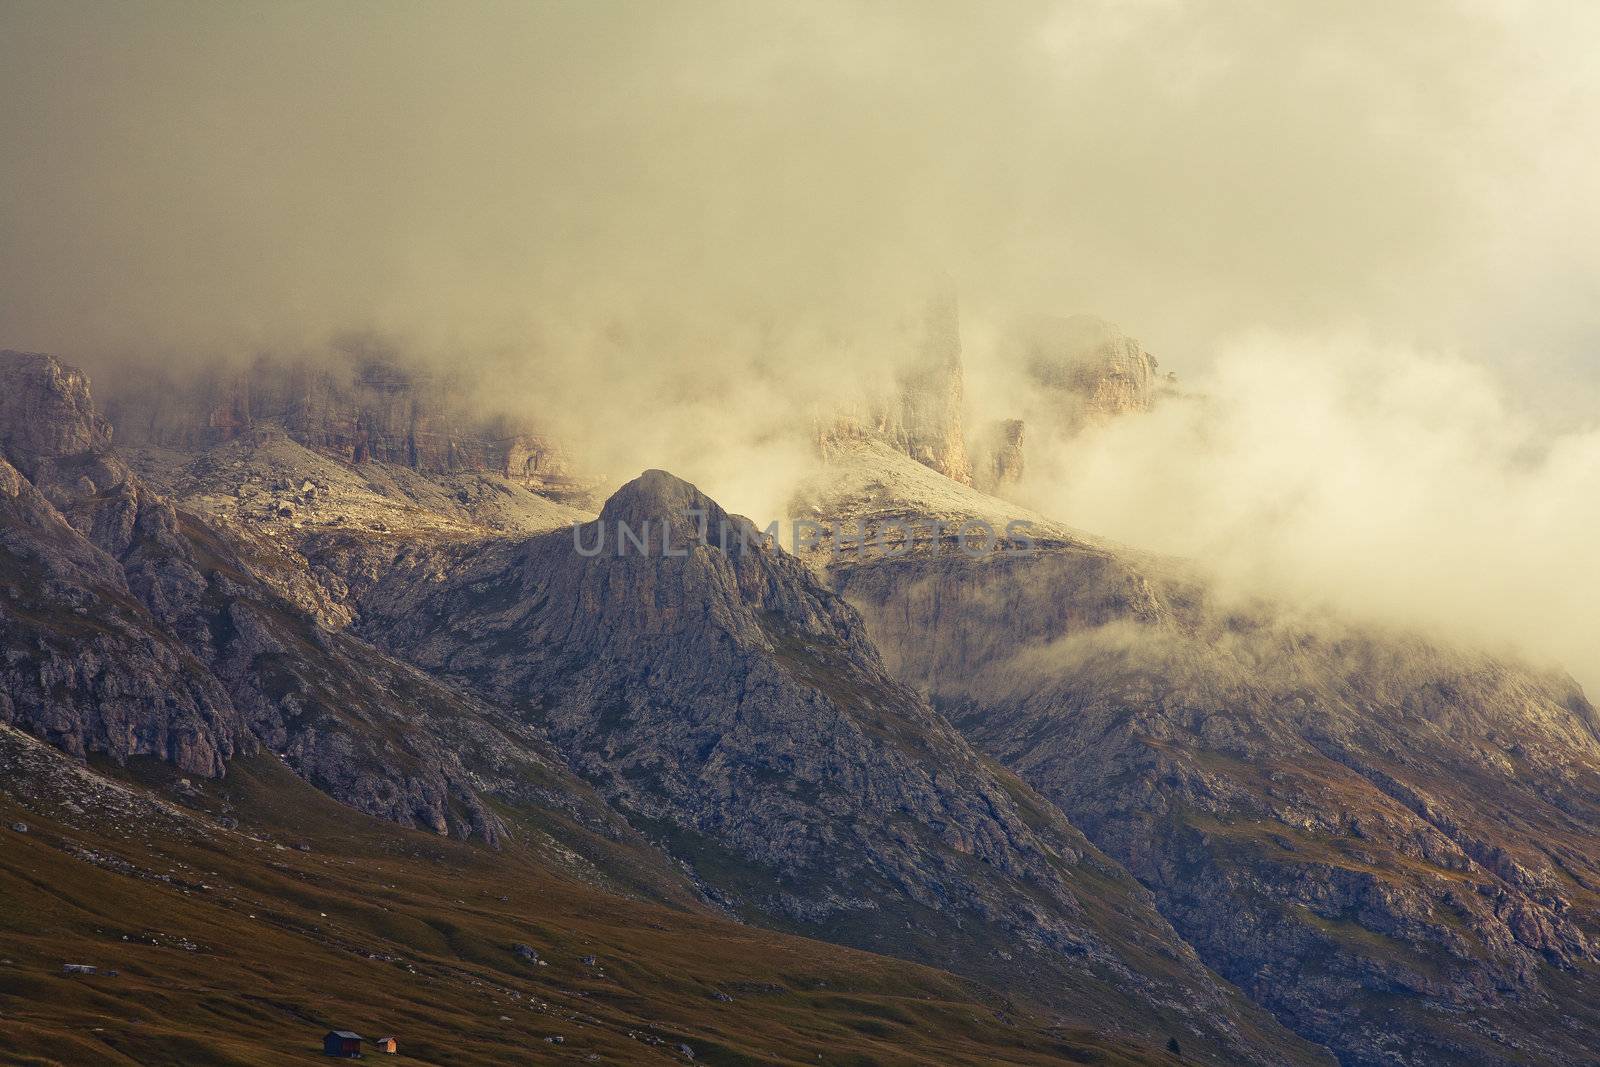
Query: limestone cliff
{"type": "Point", "coordinates": [359, 407]}
{"type": "Point", "coordinates": [1085, 367]}
{"type": "Point", "coordinates": [921, 415]}
{"type": "Point", "coordinates": [1389, 843]}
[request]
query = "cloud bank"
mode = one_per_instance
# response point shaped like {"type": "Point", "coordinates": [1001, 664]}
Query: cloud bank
{"type": "Point", "coordinates": [673, 230]}
{"type": "Point", "coordinates": [198, 177]}
{"type": "Point", "coordinates": [1384, 483]}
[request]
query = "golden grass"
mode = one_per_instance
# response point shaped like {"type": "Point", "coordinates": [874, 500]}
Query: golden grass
{"type": "Point", "coordinates": [235, 949]}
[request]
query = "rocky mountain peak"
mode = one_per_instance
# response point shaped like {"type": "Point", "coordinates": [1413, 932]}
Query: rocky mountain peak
{"type": "Point", "coordinates": [733, 708]}
{"type": "Point", "coordinates": [655, 495]}
{"type": "Point", "coordinates": [637, 513]}
{"type": "Point", "coordinates": [46, 411]}
{"type": "Point", "coordinates": [664, 557]}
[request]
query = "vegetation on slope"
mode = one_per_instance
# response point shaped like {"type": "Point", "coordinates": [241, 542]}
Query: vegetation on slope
{"type": "Point", "coordinates": [242, 946]}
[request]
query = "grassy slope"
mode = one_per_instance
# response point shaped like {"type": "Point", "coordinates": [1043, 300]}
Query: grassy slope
{"type": "Point", "coordinates": [237, 948]}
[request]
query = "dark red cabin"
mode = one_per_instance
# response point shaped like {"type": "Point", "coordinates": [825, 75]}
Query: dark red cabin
{"type": "Point", "coordinates": [342, 1043]}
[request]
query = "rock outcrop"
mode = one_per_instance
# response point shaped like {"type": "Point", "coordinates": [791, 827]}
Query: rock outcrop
{"type": "Point", "coordinates": [133, 629]}
{"type": "Point", "coordinates": [1072, 373]}
{"type": "Point", "coordinates": [85, 663]}
{"type": "Point", "coordinates": [363, 406]}
{"type": "Point", "coordinates": [1002, 459]}
{"type": "Point", "coordinates": [922, 415]}
{"type": "Point", "coordinates": [1087, 368]}
{"type": "Point", "coordinates": [46, 412]}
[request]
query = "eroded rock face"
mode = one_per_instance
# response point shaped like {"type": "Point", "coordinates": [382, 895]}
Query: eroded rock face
{"type": "Point", "coordinates": [46, 412]}
{"type": "Point", "coordinates": [922, 415]}
{"type": "Point", "coordinates": [1390, 844]}
{"type": "Point", "coordinates": [1089, 368]}
{"type": "Point", "coordinates": [131, 629]}
{"type": "Point", "coordinates": [367, 407]}
{"type": "Point", "coordinates": [735, 710]}
{"type": "Point", "coordinates": [83, 663]}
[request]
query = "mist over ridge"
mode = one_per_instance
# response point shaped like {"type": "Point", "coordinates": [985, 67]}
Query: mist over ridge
{"type": "Point", "coordinates": [677, 238]}
{"type": "Point", "coordinates": [867, 530]}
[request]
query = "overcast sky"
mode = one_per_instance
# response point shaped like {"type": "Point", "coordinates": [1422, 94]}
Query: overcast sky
{"type": "Point", "coordinates": [205, 175]}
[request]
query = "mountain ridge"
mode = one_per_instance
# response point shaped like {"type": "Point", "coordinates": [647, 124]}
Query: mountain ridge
{"type": "Point", "coordinates": [743, 715]}
{"type": "Point", "coordinates": [1290, 794]}
{"type": "Point", "coordinates": [1062, 769]}
{"type": "Point", "coordinates": [469, 673]}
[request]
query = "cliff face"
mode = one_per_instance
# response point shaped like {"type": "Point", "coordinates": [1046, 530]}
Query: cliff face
{"type": "Point", "coordinates": [1074, 372]}
{"type": "Point", "coordinates": [86, 664]}
{"type": "Point", "coordinates": [134, 629]}
{"type": "Point", "coordinates": [1389, 844]}
{"type": "Point", "coordinates": [366, 409]}
{"type": "Point", "coordinates": [82, 663]}
{"type": "Point", "coordinates": [1002, 456]}
{"type": "Point", "coordinates": [46, 412]}
{"type": "Point", "coordinates": [1070, 375]}
{"type": "Point", "coordinates": [1086, 368]}
{"type": "Point", "coordinates": [922, 415]}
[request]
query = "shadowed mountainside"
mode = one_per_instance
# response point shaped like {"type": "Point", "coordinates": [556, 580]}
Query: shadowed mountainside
{"type": "Point", "coordinates": [736, 739]}
{"type": "Point", "coordinates": [732, 708]}
{"type": "Point", "coordinates": [1389, 843]}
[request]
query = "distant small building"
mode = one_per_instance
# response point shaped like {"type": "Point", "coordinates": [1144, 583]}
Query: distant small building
{"type": "Point", "coordinates": [342, 1043]}
{"type": "Point", "coordinates": [388, 1044]}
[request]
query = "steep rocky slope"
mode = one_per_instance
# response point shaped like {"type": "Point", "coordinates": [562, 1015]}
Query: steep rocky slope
{"type": "Point", "coordinates": [1391, 844]}
{"type": "Point", "coordinates": [735, 711]}
{"type": "Point", "coordinates": [86, 664]}
{"type": "Point", "coordinates": [737, 737]}
{"type": "Point", "coordinates": [133, 629]}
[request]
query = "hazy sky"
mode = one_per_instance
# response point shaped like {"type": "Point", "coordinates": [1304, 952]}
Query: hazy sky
{"type": "Point", "coordinates": [205, 175]}
{"type": "Point", "coordinates": [1369, 231]}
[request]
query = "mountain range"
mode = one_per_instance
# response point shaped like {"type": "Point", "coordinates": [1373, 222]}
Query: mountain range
{"type": "Point", "coordinates": [319, 713]}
